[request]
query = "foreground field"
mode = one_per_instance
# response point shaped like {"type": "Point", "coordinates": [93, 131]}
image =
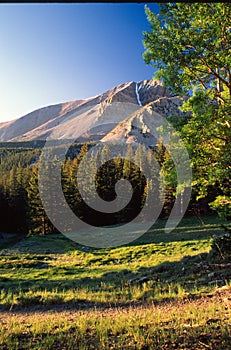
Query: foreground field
{"type": "Point", "coordinates": [191, 324]}
{"type": "Point", "coordinates": [161, 292]}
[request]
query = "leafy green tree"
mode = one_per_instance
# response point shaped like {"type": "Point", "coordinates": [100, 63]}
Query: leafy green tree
{"type": "Point", "coordinates": [208, 137]}
{"type": "Point", "coordinates": [190, 46]}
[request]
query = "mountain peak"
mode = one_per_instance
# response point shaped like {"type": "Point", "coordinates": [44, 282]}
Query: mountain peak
{"type": "Point", "coordinates": [100, 113]}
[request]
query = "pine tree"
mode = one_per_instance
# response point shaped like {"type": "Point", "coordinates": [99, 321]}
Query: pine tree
{"type": "Point", "coordinates": [38, 220]}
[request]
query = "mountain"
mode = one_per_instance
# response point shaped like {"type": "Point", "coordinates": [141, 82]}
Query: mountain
{"type": "Point", "coordinates": [126, 112]}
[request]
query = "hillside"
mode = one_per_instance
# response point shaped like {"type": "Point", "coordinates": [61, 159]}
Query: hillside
{"type": "Point", "coordinates": [98, 118]}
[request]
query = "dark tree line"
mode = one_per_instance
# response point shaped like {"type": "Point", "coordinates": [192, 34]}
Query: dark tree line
{"type": "Point", "coordinates": [21, 207]}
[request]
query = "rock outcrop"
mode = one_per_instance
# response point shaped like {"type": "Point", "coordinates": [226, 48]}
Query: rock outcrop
{"type": "Point", "coordinates": [125, 111]}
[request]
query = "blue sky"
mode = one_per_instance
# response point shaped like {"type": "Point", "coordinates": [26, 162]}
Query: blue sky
{"type": "Point", "coordinates": [52, 53]}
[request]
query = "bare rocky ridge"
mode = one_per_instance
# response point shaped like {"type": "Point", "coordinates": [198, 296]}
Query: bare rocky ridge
{"type": "Point", "coordinates": [105, 117]}
{"type": "Point", "coordinates": [151, 90]}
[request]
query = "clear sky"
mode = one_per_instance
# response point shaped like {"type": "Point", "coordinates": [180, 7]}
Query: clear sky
{"type": "Point", "coordinates": [52, 53]}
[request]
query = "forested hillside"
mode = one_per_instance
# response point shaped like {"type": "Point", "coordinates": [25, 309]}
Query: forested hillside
{"type": "Point", "coordinates": [21, 208]}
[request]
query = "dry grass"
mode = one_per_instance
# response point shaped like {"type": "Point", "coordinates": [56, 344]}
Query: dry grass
{"type": "Point", "coordinates": [204, 323]}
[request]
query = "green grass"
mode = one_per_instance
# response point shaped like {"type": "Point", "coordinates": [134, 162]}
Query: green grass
{"type": "Point", "coordinates": [53, 273]}
{"type": "Point", "coordinates": [180, 326]}
{"type": "Point", "coordinates": [44, 270]}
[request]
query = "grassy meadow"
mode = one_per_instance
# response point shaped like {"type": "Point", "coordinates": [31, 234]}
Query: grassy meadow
{"type": "Point", "coordinates": [162, 291]}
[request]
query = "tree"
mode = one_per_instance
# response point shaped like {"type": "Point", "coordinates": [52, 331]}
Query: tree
{"type": "Point", "coordinates": [38, 220]}
{"type": "Point", "coordinates": [190, 45]}
{"type": "Point", "coordinates": [167, 176]}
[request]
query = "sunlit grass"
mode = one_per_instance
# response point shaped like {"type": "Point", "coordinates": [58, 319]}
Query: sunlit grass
{"type": "Point", "coordinates": [103, 275]}
{"type": "Point", "coordinates": [125, 295]}
{"type": "Point", "coordinates": [181, 326]}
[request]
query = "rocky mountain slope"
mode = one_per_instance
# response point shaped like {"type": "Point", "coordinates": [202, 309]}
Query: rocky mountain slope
{"type": "Point", "coordinates": [126, 111]}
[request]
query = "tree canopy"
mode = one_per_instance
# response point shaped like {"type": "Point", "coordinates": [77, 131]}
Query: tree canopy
{"type": "Point", "coordinates": [189, 45]}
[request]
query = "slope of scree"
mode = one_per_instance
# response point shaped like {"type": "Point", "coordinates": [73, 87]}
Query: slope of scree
{"type": "Point", "coordinates": [99, 117]}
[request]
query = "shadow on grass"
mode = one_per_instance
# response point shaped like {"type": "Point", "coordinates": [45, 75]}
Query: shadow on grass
{"type": "Point", "coordinates": [50, 244]}
{"type": "Point", "coordinates": [188, 230]}
{"type": "Point", "coordinates": [188, 273]}
{"type": "Point", "coordinates": [211, 335]}
{"type": "Point", "coordinates": [33, 255]}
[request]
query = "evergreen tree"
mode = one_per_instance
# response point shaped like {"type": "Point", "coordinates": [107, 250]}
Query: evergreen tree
{"type": "Point", "coordinates": [38, 220]}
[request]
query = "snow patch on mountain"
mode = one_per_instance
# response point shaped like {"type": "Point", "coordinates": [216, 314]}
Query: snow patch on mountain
{"type": "Point", "coordinates": [137, 95]}
{"type": "Point", "coordinates": [102, 117]}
